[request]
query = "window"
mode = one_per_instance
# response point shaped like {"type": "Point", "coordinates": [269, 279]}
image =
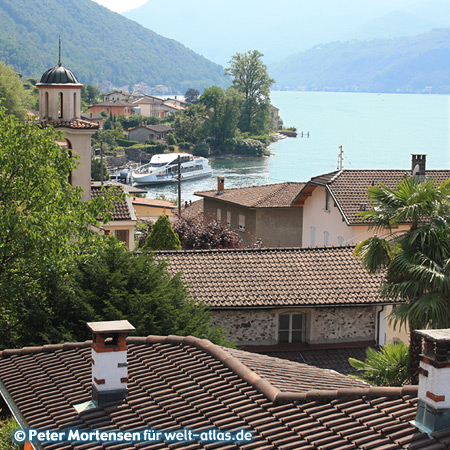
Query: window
{"type": "Point", "coordinates": [313, 236]}
{"type": "Point", "coordinates": [326, 238]}
{"type": "Point", "coordinates": [228, 218]}
{"type": "Point", "coordinates": [219, 215]}
{"type": "Point", "coordinates": [122, 235]}
{"type": "Point", "coordinates": [291, 328]}
{"type": "Point", "coordinates": [241, 222]}
{"type": "Point", "coordinates": [60, 105]}
{"type": "Point", "coordinates": [74, 104]}
{"type": "Point", "coordinates": [327, 201]}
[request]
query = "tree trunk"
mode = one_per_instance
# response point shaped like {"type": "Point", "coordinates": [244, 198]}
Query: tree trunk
{"type": "Point", "coordinates": [415, 349]}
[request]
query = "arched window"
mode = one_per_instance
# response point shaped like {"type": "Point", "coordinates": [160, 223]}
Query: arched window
{"type": "Point", "coordinates": [60, 105]}
{"type": "Point", "coordinates": [46, 105]}
{"type": "Point", "coordinates": [74, 104]}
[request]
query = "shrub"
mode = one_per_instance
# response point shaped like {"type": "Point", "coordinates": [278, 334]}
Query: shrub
{"type": "Point", "coordinates": [201, 149]}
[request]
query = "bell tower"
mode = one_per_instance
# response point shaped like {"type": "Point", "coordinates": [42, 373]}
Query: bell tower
{"type": "Point", "coordinates": [60, 107]}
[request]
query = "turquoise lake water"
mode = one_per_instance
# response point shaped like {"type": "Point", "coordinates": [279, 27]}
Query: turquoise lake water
{"type": "Point", "coordinates": [376, 131]}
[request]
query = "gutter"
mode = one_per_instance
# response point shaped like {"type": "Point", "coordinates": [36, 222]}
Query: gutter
{"type": "Point", "coordinates": [16, 413]}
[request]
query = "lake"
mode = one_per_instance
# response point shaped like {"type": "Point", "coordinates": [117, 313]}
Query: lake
{"type": "Point", "coordinates": [376, 131]}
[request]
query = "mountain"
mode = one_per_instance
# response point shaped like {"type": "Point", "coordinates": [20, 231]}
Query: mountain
{"type": "Point", "coordinates": [218, 29]}
{"type": "Point", "coordinates": [98, 45]}
{"type": "Point", "coordinates": [407, 64]}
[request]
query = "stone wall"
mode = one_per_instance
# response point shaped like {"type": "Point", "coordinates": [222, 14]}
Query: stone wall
{"type": "Point", "coordinates": [323, 325]}
{"type": "Point", "coordinates": [255, 327]}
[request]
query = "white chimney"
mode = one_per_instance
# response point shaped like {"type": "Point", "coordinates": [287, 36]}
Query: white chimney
{"type": "Point", "coordinates": [433, 410]}
{"type": "Point", "coordinates": [109, 360]}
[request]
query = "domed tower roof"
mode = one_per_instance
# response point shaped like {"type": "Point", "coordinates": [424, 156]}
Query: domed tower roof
{"type": "Point", "coordinates": [58, 75]}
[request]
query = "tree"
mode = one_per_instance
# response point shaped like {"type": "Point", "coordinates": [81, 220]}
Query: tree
{"type": "Point", "coordinates": [96, 170]}
{"type": "Point", "coordinates": [12, 93]}
{"type": "Point", "coordinates": [114, 284]}
{"type": "Point", "coordinates": [191, 95]}
{"type": "Point", "coordinates": [416, 261]}
{"type": "Point", "coordinates": [162, 236]}
{"type": "Point", "coordinates": [251, 78]}
{"type": "Point", "coordinates": [44, 224]}
{"type": "Point", "coordinates": [386, 367]}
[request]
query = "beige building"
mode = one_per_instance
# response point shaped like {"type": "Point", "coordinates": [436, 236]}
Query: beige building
{"type": "Point", "coordinates": [151, 209]}
{"type": "Point", "coordinates": [263, 212]}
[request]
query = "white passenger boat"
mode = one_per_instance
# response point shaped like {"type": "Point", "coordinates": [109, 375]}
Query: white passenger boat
{"type": "Point", "coordinates": [164, 169]}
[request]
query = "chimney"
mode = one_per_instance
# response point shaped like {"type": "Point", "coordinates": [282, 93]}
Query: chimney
{"type": "Point", "coordinates": [109, 360]}
{"type": "Point", "coordinates": [433, 410]}
{"type": "Point", "coordinates": [418, 163]}
{"type": "Point", "coordinates": [220, 185]}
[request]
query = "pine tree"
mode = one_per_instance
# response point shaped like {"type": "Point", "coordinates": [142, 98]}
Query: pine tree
{"type": "Point", "coordinates": [162, 236]}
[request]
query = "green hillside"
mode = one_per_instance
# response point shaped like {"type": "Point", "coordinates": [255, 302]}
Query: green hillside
{"type": "Point", "coordinates": [98, 45]}
{"type": "Point", "coordinates": [409, 64]}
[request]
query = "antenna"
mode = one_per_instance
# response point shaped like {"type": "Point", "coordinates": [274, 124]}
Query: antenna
{"type": "Point", "coordinates": [59, 62]}
{"type": "Point", "coordinates": [340, 164]}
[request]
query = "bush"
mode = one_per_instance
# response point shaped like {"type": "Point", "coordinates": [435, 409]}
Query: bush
{"type": "Point", "coordinates": [386, 367]}
{"type": "Point", "coordinates": [248, 147]}
{"type": "Point", "coordinates": [201, 149]}
{"type": "Point", "coordinates": [126, 142]}
{"type": "Point", "coordinates": [162, 236]}
{"type": "Point", "coordinates": [171, 139]}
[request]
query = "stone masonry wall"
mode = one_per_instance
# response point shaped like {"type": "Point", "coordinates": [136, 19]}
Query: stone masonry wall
{"type": "Point", "coordinates": [333, 325]}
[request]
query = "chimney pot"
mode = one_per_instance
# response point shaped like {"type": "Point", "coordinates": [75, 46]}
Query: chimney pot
{"type": "Point", "coordinates": [433, 410]}
{"type": "Point", "coordinates": [220, 185]}
{"type": "Point", "coordinates": [418, 166]}
{"type": "Point", "coordinates": [109, 360]}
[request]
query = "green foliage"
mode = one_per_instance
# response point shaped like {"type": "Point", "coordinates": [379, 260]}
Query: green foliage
{"type": "Point", "coordinates": [188, 125]}
{"type": "Point", "coordinates": [386, 367]}
{"type": "Point", "coordinates": [415, 262]}
{"type": "Point", "coordinates": [29, 36]}
{"type": "Point", "coordinates": [247, 147]}
{"type": "Point", "coordinates": [251, 78]}
{"type": "Point", "coordinates": [12, 93]}
{"type": "Point", "coordinates": [162, 236]}
{"type": "Point", "coordinates": [114, 284]}
{"type": "Point", "coordinates": [44, 224]}
{"type": "Point", "coordinates": [7, 428]}
{"type": "Point", "coordinates": [171, 139]}
{"type": "Point", "coordinates": [90, 94]}
{"type": "Point", "coordinates": [96, 173]}
{"type": "Point", "coordinates": [191, 95]}
{"type": "Point", "coordinates": [201, 149]}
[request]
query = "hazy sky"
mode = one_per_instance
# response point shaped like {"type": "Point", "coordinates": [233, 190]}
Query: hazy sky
{"type": "Point", "coordinates": [121, 5]}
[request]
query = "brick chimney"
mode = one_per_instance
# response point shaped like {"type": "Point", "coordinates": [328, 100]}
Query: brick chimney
{"type": "Point", "coordinates": [418, 164]}
{"type": "Point", "coordinates": [220, 185]}
{"type": "Point", "coordinates": [109, 360]}
{"type": "Point", "coordinates": [433, 410]}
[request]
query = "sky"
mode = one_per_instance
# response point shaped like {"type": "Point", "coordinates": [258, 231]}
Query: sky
{"type": "Point", "coordinates": [121, 6]}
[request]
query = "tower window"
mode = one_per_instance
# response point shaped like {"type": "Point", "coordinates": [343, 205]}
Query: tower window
{"type": "Point", "coordinates": [60, 105]}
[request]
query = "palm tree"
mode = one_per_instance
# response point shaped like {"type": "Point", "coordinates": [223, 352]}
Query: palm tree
{"type": "Point", "coordinates": [386, 367]}
{"type": "Point", "coordinates": [416, 261]}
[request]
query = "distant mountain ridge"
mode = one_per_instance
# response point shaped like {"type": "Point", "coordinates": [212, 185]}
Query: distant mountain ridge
{"type": "Point", "coordinates": [98, 45]}
{"type": "Point", "coordinates": [409, 64]}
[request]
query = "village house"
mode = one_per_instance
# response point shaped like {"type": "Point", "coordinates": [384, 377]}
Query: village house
{"type": "Point", "coordinates": [114, 383]}
{"type": "Point", "coordinates": [331, 202]}
{"type": "Point", "coordinates": [263, 212]}
{"type": "Point", "coordinates": [151, 209]}
{"type": "Point", "coordinates": [287, 298]}
{"type": "Point", "coordinates": [145, 133]}
{"type": "Point", "coordinates": [94, 118]}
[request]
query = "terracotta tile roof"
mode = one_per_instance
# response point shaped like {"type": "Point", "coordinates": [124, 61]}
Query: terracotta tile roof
{"type": "Point", "coordinates": [121, 206]}
{"type": "Point", "coordinates": [152, 202]}
{"type": "Point", "coordinates": [272, 277]}
{"type": "Point", "coordinates": [193, 210]}
{"type": "Point", "coordinates": [349, 187]}
{"type": "Point", "coordinates": [177, 383]}
{"type": "Point", "coordinates": [332, 359]}
{"type": "Point", "coordinates": [74, 123]}
{"type": "Point", "coordinates": [268, 196]}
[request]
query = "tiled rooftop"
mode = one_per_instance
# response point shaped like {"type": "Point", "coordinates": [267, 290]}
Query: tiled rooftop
{"type": "Point", "coordinates": [268, 196]}
{"type": "Point", "coordinates": [121, 208]}
{"type": "Point", "coordinates": [177, 383]}
{"type": "Point", "coordinates": [333, 359]}
{"type": "Point", "coordinates": [275, 277]}
{"type": "Point", "coordinates": [349, 187]}
{"type": "Point", "coordinates": [74, 123]}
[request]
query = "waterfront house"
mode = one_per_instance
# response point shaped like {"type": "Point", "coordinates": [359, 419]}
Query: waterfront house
{"type": "Point", "coordinates": [178, 384]}
{"type": "Point", "coordinates": [331, 202]}
{"type": "Point", "coordinates": [263, 212]}
{"type": "Point", "coordinates": [287, 298]}
{"type": "Point", "coordinates": [145, 133]}
{"type": "Point", "coordinates": [151, 209]}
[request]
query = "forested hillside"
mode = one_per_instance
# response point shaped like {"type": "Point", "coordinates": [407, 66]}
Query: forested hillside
{"type": "Point", "coordinates": [98, 45]}
{"type": "Point", "coordinates": [408, 64]}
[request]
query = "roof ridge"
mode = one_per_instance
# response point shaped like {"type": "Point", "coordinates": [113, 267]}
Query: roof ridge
{"type": "Point", "coordinates": [270, 195]}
